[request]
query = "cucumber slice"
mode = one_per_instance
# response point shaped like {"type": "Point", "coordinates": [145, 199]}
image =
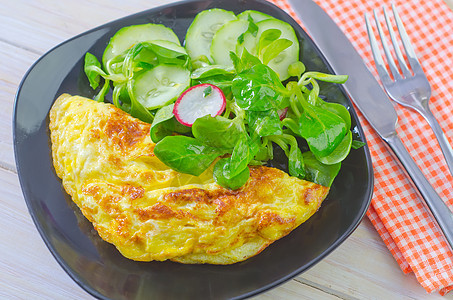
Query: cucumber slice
{"type": "Point", "coordinates": [127, 37]}
{"type": "Point", "coordinates": [161, 85]}
{"type": "Point", "coordinates": [250, 43]}
{"type": "Point", "coordinates": [225, 40]}
{"type": "Point", "coordinates": [257, 16]}
{"type": "Point", "coordinates": [202, 30]}
{"type": "Point", "coordinates": [288, 56]}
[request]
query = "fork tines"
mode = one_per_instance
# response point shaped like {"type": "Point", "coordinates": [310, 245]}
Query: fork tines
{"type": "Point", "coordinates": [409, 51]}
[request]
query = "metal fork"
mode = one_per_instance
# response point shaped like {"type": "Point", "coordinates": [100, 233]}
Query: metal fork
{"type": "Point", "coordinates": [410, 87]}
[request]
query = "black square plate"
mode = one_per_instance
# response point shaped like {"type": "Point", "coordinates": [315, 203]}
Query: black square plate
{"type": "Point", "coordinates": [96, 265]}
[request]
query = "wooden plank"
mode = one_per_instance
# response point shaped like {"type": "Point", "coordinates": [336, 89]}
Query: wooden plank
{"type": "Point", "coordinates": [28, 270]}
{"type": "Point", "coordinates": [449, 3]}
{"type": "Point", "coordinates": [294, 290]}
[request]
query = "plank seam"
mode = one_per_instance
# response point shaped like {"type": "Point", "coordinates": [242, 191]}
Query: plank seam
{"type": "Point", "coordinates": [325, 289]}
{"type": "Point", "coordinates": [21, 47]}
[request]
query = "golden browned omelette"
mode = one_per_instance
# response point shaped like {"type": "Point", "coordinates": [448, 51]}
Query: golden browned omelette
{"type": "Point", "coordinates": [150, 212]}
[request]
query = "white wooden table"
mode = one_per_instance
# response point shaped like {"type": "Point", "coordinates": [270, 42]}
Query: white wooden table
{"type": "Point", "coordinates": [361, 268]}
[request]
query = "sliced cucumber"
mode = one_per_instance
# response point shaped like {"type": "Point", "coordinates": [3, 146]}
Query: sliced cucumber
{"type": "Point", "coordinates": [250, 43]}
{"type": "Point", "coordinates": [127, 37]}
{"type": "Point", "coordinates": [202, 30]}
{"type": "Point", "coordinates": [257, 16]}
{"type": "Point", "coordinates": [161, 85]}
{"type": "Point", "coordinates": [288, 56]}
{"type": "Point", "coordinates": [225, 40]}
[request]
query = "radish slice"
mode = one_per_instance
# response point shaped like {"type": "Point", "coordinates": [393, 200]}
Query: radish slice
{"type": "Point", "coordinates": [198, 101]}
{"type": "Point", "coordinates": [282, 113]}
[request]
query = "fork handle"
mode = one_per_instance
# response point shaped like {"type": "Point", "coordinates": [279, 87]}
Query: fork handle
{"type": "Point", "coordinates": [439, 210]}
{"type": "Point", "coordinates": [441, 138]}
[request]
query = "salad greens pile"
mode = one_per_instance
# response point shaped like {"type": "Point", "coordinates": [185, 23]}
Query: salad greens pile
{"type": "Point", "coordinates": [263, 108]}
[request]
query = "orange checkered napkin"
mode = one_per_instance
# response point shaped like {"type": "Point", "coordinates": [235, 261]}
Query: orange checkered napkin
{"type": "Point", "coordinates": [396, 210]}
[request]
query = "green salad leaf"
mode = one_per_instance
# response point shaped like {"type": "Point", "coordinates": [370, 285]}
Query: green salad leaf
{"type": "Point", "coordinates": [165, 124]}
{"type": "Point", "coordinates": [340, 152]}
{"type": "Point", "coordinates": [318, 172]}
{"type": "Point", "coordinates": [92, 68]}
{"type": "Point", "coordinates": [267, 37]}
{"type": "Point", "coordinates": [258, 89]}
{"type": "Point", "coordinates": [322, 129]}
{"type": "Point", "coordinates": [186, 154]}
{"type": "Point", "coordinates": [222, 168]}
{"type": "Point", "coordinates": [245, 62]}
{"type": "Point", "coordinates": [240, 157]}
{"type": "Point", "coordinates": [274, 49]}
{"type": "Point", "coordinates": [264, 123]}
{"type": "Point", "coordinates": [218, 131]}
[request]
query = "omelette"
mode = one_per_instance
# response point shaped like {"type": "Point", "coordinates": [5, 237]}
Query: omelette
{"type": "Point", "coordinates": [105, 160]}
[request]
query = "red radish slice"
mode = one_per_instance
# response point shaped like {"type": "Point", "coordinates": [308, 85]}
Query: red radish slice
{"type": "Point", "coordinates": [282, 113]}
{"type": "Point", "coordinates": [198, 101]}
